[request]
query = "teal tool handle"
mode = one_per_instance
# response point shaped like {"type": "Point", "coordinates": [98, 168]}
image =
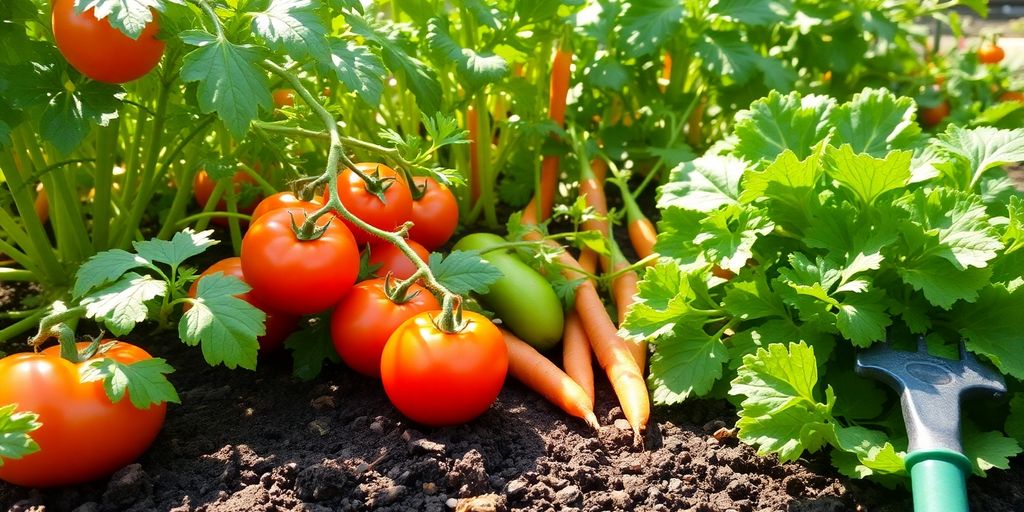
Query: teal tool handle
{"type": "Point", "coordinates": [939, 480]}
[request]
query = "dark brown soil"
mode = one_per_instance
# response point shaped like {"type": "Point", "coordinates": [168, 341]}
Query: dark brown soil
{"type": "Point", "coordinates": [245, 441]}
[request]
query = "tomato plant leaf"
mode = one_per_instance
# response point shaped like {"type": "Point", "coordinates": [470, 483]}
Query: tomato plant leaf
{"type": "Point", "coordinates": [726, 55]}
{"type": "Point", "coordinates": [463, 272]}
{"type": "Point", "coordinates": [988, 450]}
{"type": "Point", "coordinates": [122, 305]}
{"type": "Point", "coordinates": [645, 26]}
{"type": "Point", "coordinates": [128, 16]}
{"type": "Point", "coordinates": [69, 116]}
{"type": "Point", "coordinates": [15, 427]}
{"type": "Point", "coordinates": [977, 150]}
{"type": "Point", "coordinates": [105, 267]}
{"type": "Point", "coordinates": [866, 176]}
{"type": "Point", "coordinates": [704, 184]}
{"type": "Point", "coordinates": [776, 123]}
{"type": "Point", "coordinates": [876, 121]}
{"type": "Point", "coordinates": [292, 26]}
{"type": "Point", "coordinates": [230, 82]}
{"type": "Point", "coordinates": [994, 327]}
{"type": "Point", "coordinates": [144, 381]}
{"type": "Point", "coordinates": [361, 70]}
{"type": "Point", "coordinates": [182, 246]}
{"type": "Point", "coordinates": [226, 326]}
{"type": "Point", "coordinates": [310, 348]}
{"type": "Point", "coordinates": [476, 69]}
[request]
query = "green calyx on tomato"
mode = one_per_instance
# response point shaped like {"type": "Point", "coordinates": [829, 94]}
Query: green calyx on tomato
{"type": "Point", "coordinates": [84, 416]}
{"type": "Point", "coordinates": [387, 209]}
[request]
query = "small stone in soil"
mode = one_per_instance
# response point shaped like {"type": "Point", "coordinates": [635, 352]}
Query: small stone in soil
{"type": "Point", "coordinates": [319, 426]}
{"type": "Point", "coordinates": [324, 402]}
{"type": "Point", "coordinates": [621, 424]}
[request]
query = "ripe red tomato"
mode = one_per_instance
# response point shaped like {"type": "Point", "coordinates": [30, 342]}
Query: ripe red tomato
{"type": "Point", "coordinates": [1012, 96]}
{"type": "Point", "coordinates": [298, 276]}
{"type": "Point", "coordinates": [932, 116]}
{"type": "Point", "coordinates": [440, 379]}
{"type": "Point", "coordinates": [282, 200]}
{"type": "Point", "coordinates": [278, 325]}
{"type": "Point", "coordinates": [365, 319]}
{"type": "Point", "coordinates": [392, 259]}
{"type": "Point", "coordinates": [245, 190]}
{"type": "Point", "coordinates": [284, 97]}
{"type": "Point", "coordinates": [990, 53]}
{"type": "Point", "coordinates": [84, 436]}
{"type": "Point", "coordinates": [388, 214]}
{"type": "Point", "coordinates": [102, 52]}
{"type": "Point", "coordinates": [435, 215]}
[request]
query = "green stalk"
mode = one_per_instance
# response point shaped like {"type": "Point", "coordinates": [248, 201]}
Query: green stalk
{"type": "Point", "coordinates": [183, 192]}
{"type": "Point", "coordinates": [16, 274]}
{"type": "Point", "coordinates": [40, 250]}
{"type": "Point", "coordinates": [483, 159]}
{"type": "Point", "coordinates": [106, 145]}
{"type": "Point", "coordinates": [21, 326]}
{"type": "Point", "coordinates": [148, 180]}
{"type": "Point", "coordinates": [18, 256]}
{"type": "Point", "coordinates": [131, 163]}
{"type": "Point", "coordinates": [264, 185]}
{"type": "Point", "coordinates": [12, 229]}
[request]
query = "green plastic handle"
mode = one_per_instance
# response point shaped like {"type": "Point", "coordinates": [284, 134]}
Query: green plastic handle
{"type": "Point", "coordinates": [939, 480]}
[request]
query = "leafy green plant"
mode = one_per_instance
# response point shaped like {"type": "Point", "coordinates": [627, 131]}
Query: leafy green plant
{"type": "Point", "coordinates": [15, 430]}
{"type": "Point", "coordinates": [819, 228]}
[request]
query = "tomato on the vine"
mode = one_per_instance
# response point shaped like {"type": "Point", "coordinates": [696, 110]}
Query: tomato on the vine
{"type": "Point", "coordinates": [102, 52]}
{"type": "Point", "coordinates": [282, 200]}
{"type": "Point", "coordinates": [284, 97]}
{"type": "Point", "coordinates": [1012, 96]}
{"type": "Point", "coordinates": [298, 276]}
{"type": "Point", "coordinates": [435, 215]}
{"type": "Point", "coordinates": [438, 378]}
{"type": "Point", "coordinates": [84, 436]}
{"type": "Point", "coordinates": [202, 189]}
{"type": "Point", "coordinates": [278, 325]}
{"type": "Point", "coordinates": [932, 116]}
{"type": "Point", "coordinates": [990, 53]}
{"type": "Point", "coordinates": [364, 320]}
{"type": "Point", "coordinates": [388, 214]}
{"type": "Point", "coordinates": [392, 259]}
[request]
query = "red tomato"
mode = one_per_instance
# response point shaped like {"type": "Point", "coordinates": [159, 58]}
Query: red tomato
{"type": "Point", "coordinates": [298, 276]}
{"type": "Point", "coordinates": [84, 436]}
{"type": "Point", "coordinates": [435, 215]}
{"type": "Point", "coordinates": [440, 379]}
{"type": "Point", "coordinates": [278, 325]}
{"type": "Point", "coordinates": [366, 317]}
{"type": "Point", "coordinates": [284, 97]}
{"type": "Point", "coordinates": [392, 259]}
{"type": "Point", "coordinates": [1012, 96]}
{"type": "Point", "coordinates": [282, 200]}
{"type": "Point", "coordinates": [102, 52]}
{"type": "Point", "coordinates": [388, 214]}
{"type": "Point", "coordinates": [990, 53]}
{"type": "Point", "coordinates": [932, 116]}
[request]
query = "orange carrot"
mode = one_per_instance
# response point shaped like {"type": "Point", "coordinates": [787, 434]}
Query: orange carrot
{"type": "Point", "coordinates": [666, 72]}
{"type": "Point", "coordinates": [611, 350]}
{"type": "Point", "coordinates": [548, 184]}
{"type": "Point", "coordinates": [624, 290]}
{"type": "Point", "coordinates": [642, 234]}
{"type": "Point", "coordinates": [576, 353]}
{"type": "Point", "coordinates": [474, 166]}
{"type": "Point", "coordinates": [556, 112]}
{"type": "Point", "coordinates": [541, 375]}
{"type": "Point", "coordinates": [593, 190]}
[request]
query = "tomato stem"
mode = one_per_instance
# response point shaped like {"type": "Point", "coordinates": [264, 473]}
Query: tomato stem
{"type": "Point", "coordinates": [53, 325]}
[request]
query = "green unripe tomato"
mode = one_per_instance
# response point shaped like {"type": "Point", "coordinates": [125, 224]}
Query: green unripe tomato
{"type": "Point", "coordinates": [523, 299]}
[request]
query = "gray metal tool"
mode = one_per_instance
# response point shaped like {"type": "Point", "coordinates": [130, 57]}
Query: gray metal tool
{"type": "Point", "coordinates": [930, 391]}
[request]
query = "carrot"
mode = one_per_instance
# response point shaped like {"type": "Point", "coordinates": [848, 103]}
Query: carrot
{"type": "Point", "coordinates": [474, 166]}
{"type": "Point", "coordinates": [642, 234]}
{"type": "Point", "coordinates": [576, 353]}
{"type": "Point", "coordinates": [624, 290]}
{"type": "Point", "coordinates": [541, 375]}
{"type": "Point", "coordinates": [593, 190]}
{"type": "Point", "coordinates": [611, 350]}
{"type": "Point", "coordinates": [548, 184]}
{"type": "Point", "coordinates": [556, 112]}
{"type": "Point", "coordinates": [666, 72]}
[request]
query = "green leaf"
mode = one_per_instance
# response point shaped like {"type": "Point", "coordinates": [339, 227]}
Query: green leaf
{"type": "Point", "coordinates": [144, 381]}
{"type": "Point", "coordinates": [942, 283]}
{"type": "Point", "coordinates": [15, 427]}
{"type": "Point", "coordinates": [608, 73]}
{"type": "Point", "coordinates": [871, 451]}
{"type": "Point", "coordinates": [994, 327]}
{"type": "Point", "coordinates": [996, 113]}
{"type": "Point", "coordinates": [862, 318]}
{"type": "Point", "coordinates": [876, 121]}
{"type": "Point", "coordinates": [1013, 237]}
{"type": "Point", "coordinates": [663, 304]}
{"type": "Point", "coordinates": [955, 226]}
{"type": "Point", "coordinates": [989, 450]}
{"type": "Point", "coordinates": [105, 267]}
{"type": "Point", "coordinates": [751, 12]}
{"type": "Point", "coordinates": [1015, 421]}
{"type": "Point", "coordinates": [686, 362]}
{"type": "Point", "coordinates": [750, 300]}
{"type": "Point", "coordinates": [727, 235]}
{"type": "Point", "coordinates": [463, 272]}
{"type": "Point", "coordinates": [726, 55]}
{"type": "Point", "coordinates": [226, 326]}
{"type": "Point", "coordinates": [866, 176]}
{"type": "Point", "coordinates": [777, 75]}
{"type": "Point", "coordinates": [704, 184]}
{"type": "Point", "coordinates": [645, 26]}
{"type": "Point", "coordinates": [310, 347]}
{"type": "Point", "coordinates": [476, 69]}
{"type": "Point", "coordinates": [230, 81]}
{"type": "Point", "coordinates": [361, 70]}
{"type": "Point", "coordinates": [858, 397]}
{"type": "Point", "coordinates": [182, 246]}
{"type": "Point", "coordinates": [69, 116]}
{"type": "Point", "coordinates": [777, 123]}
{"type": "Point", "coordinates": [977, 150]}
{"type": "Point", "coordinates": [128, 16]}
{"type": "Point", "coordinates": [122, 305]}
{"type": "Point", "coordinates": [292, 26]}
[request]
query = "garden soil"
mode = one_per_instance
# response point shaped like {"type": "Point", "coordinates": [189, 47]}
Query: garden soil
{"type": "Point", "coordinates": [250, 441]}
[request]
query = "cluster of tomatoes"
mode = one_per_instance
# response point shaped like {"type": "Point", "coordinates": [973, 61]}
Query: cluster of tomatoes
{"type": "Point", "coordinates": [432, 376]}
{"type": "Point", "coordinates": [989, 53]}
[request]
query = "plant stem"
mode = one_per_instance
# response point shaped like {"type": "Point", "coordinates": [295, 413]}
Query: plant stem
{"type": "Point", "coordinates": [15, 274]}
{"type": "Point", "coordinates": [19, 257]}
{"type": "Point", "coordinates": [483, 159]}
{"type": "Point", "coordinates": [21, 326]}
{"type": "Point", "coordinates": [131, 163]}
{"type": "Point", "coordinates": [131, 224]}
{"type": "Point", "coordinates": [40, 250]}
{"type": "Point", "coordinates": [183, 193]}
{"type": "Point", "coordinates": [209, 215]}
{"type": "Point", "coordinates": [106, 143]}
